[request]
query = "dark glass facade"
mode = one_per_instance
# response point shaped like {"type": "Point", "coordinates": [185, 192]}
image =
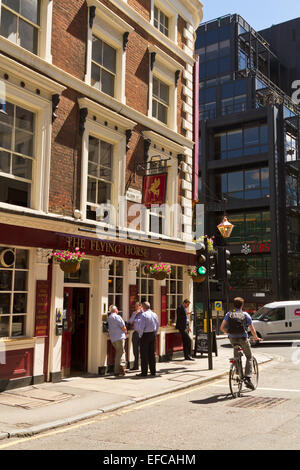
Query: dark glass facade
{"type": "Point", "coordinates": [249, 159]}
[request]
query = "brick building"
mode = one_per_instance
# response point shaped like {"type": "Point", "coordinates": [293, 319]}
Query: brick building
{"type": "Point", "coordinates": [95, 96]}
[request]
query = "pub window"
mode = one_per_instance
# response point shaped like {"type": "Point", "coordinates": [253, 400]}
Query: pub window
{"type": "Point", "coordinates": [16, 155]}
{"type": "Point", "coordinates": [100, 169]}
{"type": "Point", "coordinates": [145, 285]}
{"type": "Point", "coordinates": [103, 66]}
{"type": "Point", "coordinates": [20, 22]}
{"type": "Point", "coordinates": [81, 276]}
{"type": "Point", "coordinates": [160, 100]}
{"type": "Point", "coordinates": [13, 291]}
{"type": "Point", "coordinates": [115, 285]}
{"type": "Point", "coordinates": [161, 21]}
{"type": "Point", "coordinates": [174, 292]}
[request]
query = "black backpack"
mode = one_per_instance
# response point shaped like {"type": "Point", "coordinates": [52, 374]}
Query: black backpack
{"type": "Point", "coordinates": [237, 323]}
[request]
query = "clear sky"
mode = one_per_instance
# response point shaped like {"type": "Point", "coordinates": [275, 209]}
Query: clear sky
{"type": "Point", "coordinates": [260, 14]}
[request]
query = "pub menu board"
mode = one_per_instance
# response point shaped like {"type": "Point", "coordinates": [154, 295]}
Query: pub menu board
{"type": "Point", "coordinates": [163, 305]}
{"type": "Point", "coordinates": [41, 310]}
{"type": "Point", "coordinates": [201, 343]}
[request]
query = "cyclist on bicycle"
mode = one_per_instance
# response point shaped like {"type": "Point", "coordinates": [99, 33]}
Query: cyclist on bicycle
{"type": "Point", "coordinates": [236, 324]}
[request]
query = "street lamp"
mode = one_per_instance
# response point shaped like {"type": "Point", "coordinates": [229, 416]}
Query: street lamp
{"type": "Point", "coordinates": [225, 228]}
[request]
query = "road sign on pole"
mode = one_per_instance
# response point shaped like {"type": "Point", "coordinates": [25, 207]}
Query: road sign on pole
{"type": "Point", "coordinates": [218, 306]}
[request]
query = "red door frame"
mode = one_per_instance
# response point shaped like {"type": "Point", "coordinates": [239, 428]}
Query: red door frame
{"type": "Point", "coordinates": [67, 334]}
{"type": "Point", "coordinates": [66, 353]}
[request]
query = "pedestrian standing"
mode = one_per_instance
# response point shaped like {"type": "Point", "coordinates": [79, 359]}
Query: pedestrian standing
{"type": "Point", "coordinates": [183, 325]}
{"type": "Point", "coordinates": [117, 333]}
{"type": "Point", "coordinates": [147, 328]}
{"type": "Point", "coordinates": [134, 319]}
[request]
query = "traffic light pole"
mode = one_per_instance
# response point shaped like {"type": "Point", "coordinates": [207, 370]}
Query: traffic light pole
{"type": "Point", "coordinates": [208, 309]}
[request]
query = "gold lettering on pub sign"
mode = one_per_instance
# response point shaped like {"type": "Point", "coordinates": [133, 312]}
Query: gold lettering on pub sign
{"type": "Point", "coordinates": [109, 248]}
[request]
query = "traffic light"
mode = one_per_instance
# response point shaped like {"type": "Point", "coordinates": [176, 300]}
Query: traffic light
{"type": "Point", "coordinates": [212, 264]}
{"type": "Point", "coordinates": [227, 264]}
{"type": "Point", "coordinates": [223, 264]}
{"type": "Point", "coordinates": [201, 260]}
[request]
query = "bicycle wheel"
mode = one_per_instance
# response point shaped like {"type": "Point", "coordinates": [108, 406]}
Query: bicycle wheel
{"type": "Point", "coordinates": [255, 373]}
{"type": "Point", "coordinates": [235, 383]}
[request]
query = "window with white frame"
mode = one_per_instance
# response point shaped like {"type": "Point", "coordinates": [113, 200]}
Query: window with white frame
{"type": "Point", "coordinates": [157, 220]}
{"type": "Point", "coordinates": [160, 100]}
{"type": "Point", "coordinates": [100, 175]}
{"type": "Point", "coordinates": [20, 22]}
{"type": "Point", "coordinates": [115, 284]}
{"type": "Point", "coordinates": [14, 272]}
{"type": "Point", "coordinates": [174, 292]}
{"type": "Point", "coordinates": [145, 284]}
{"type": "Point", "coordinates": [103, 72]}
{"type": "Point", "coordinates": [16, 154]}
{"type": "Point", "coordinates": [161, 21]}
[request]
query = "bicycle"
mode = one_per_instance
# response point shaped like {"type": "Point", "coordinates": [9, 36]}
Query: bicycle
{"type": "Point", "coordinates": [236, 373]}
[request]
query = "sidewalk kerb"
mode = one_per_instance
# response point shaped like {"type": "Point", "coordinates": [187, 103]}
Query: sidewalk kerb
{"type": "Point", "coordinates": [109, 408]}
{"type": "Point", "coordinates": [115, 406]}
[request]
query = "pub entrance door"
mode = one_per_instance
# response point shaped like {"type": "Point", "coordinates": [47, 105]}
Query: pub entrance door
{"type": "Point", "coordinates": [75, 331]}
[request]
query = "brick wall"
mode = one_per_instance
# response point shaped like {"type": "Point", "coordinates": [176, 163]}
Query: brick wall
{"type": "Point", "coordinates": [142, 7]}
{"type": "Point", "coordinates": [69, 34]}
{"type": "Point", "coordinates": [65, 157]}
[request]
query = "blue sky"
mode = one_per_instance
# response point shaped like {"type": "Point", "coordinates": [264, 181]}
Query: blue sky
{"type": "Point", "coordinates": [260, 14]}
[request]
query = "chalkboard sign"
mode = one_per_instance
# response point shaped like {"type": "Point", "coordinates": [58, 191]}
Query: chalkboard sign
{"type": "Point", "coordinates": [201, 343]}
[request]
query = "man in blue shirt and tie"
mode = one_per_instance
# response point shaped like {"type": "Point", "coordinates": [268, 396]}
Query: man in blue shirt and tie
{"type": "Point", "coordinates": [147, 329]}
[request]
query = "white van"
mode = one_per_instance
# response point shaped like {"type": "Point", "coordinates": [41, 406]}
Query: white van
{"type": "Point", "coordinates": [278, 321]}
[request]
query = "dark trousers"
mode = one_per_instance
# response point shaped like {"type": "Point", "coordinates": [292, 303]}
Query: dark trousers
{"type": "Point", "coordinates": [187, 343]}
{"type": "Point", "coordinates": [136, 348]}
{"type": "Point", "coordinates": [147, 346]}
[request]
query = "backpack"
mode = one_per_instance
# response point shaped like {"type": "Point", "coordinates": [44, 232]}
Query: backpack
{"type": "Point", "coordinates": [237, 323]}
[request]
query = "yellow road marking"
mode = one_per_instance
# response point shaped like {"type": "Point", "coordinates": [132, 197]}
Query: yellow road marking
{"type": "Point", "coordinates": [102, 418]}
{"type": "Point", "coordinates": [39, 436]}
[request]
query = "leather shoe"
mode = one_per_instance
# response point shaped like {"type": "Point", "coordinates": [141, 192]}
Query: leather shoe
{"type": "Point", "coordinates": [141, 375]}
{"type": "Point", "coordinates": [189, 358]}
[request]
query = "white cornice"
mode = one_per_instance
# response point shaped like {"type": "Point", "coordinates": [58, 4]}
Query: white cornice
{"type": "Point", "coordinates": [163, 141]}
{"type": "Point", "coordinates": [23, 73]}
{"type": "Point", "coordinates": [106, 14]}
{"type": "Point", "coordinates": [104, 113]}
{"type": "Point", "coordinates": [165, 58]}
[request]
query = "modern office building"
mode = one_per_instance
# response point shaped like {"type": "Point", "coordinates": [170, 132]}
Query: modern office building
{"type": "Point", "coordinates": [249, 153]}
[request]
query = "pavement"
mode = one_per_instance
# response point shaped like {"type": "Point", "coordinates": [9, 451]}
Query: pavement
{"type": "Point", "coordinates": [38, 408]}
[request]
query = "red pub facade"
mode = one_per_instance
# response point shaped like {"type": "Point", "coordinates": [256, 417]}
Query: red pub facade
{"type": "Point", "coordinates": [94, 99]}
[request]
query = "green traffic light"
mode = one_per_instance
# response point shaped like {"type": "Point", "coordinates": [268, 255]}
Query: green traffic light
{"type": "Point", "coordinates": [202, 270]}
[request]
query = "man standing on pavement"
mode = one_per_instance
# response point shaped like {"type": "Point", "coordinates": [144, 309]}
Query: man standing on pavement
{"type": "Point", "coordinates": [236, 324]}
{"type": "Point", "coordinates": [134, 319]}
{"type": "Point", "coordinates": [117, 333]}
{"type": "Point", "coordinates": [183, 325]}
{"type": "Point", "coordinates": [147, 328]}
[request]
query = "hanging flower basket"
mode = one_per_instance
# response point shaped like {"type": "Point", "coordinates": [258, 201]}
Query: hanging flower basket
{"type": "Point", "coordinates": [160, 271]}
{"type": "Point", "coordinates": [199, 279]}
{"type": "Point", "coordinates": [69, 261]}
{"type": "Point", "coordinates": [192, 271]}
{"type": "Point", "coordinates": [69, 267]}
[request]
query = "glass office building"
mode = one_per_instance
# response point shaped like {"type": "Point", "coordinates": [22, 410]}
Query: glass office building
{"type": "Point", "coordinates": [249, 155]}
